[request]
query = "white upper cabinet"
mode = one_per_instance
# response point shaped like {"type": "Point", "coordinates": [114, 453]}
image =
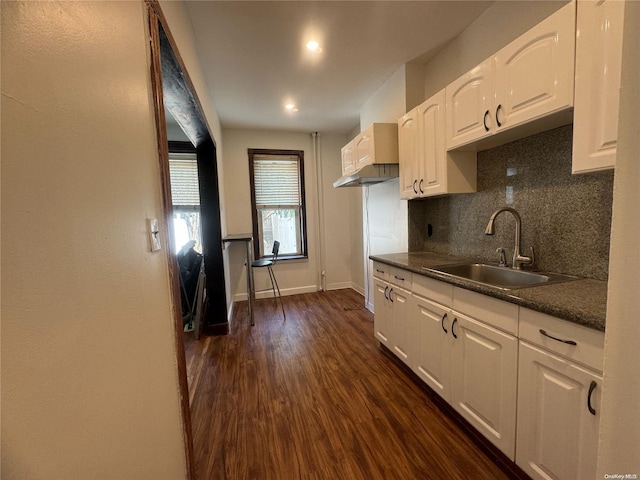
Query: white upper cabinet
{"type": "Point", "coordinates": [431, 121]}
{"type": "Point", "coordinates": [348, 158]}
{"type": "Point", "coordinates": [408, 154]}
{"type": "Point", "coordinates": [425, 167]}
{"type": "Point", "coordinates": [376, 144]}
{"type": "Point", "coordinates": [364, 148]}
{"type": "Point", "coordinates": [529, 79]}
{"type": "Point", "coordinates": [597, 84]}
{"type": "Point", "coordinates": [534, 74]}
{"type": "Point", "coordinates": [470, 106]}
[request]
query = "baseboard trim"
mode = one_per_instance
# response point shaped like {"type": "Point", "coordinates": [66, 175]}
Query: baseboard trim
{"type": "Point", "coordinates": [503, 462]}
{"type": "Point", "coordinates": [369, 306]}
{"type": "Point", "coordinates": [242, 297]}
{"type": "Point", "coordinates": [357, 288]}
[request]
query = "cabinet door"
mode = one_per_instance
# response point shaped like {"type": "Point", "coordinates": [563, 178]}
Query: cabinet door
{"type": "Point", "coordinates": [534, 73]}
{"type": "Point", "coordinates": [557, 434]}
{"type": "Point", "coordinates": [433, 175]}
{"type": "Point", "coordinates": [432, 362]}
{"type": "Point", "coordinates": [382, 320]}
{"type": "Point", "coordinates": [469, 106]}
{"type": "Point", "coordinates": [408, 154]}
{"type": "Point", "coordinates": [597, 85]}
{"type": "Point", "coordinates": [348, 159]}
{"type": "Point", "coordinates": [364, 148]}
{"type": "Point", "coordinates": [402, 338]}
{"type": "Point", "coordinates": [484, 375]}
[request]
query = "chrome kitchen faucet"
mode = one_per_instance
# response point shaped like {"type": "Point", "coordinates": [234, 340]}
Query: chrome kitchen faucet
{"type": "Point", "coordinates": [518, 258]}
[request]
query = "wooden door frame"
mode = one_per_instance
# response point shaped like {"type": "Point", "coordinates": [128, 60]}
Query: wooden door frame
{"type": "Point", "coordinates": [198, 132]}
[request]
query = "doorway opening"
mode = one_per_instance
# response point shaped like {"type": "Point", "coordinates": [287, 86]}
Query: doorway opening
{"type": "Point", "coordinates": [174, 93]}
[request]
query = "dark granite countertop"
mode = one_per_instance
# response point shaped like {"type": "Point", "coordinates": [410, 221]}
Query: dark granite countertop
{"type": "Point", "coordinates": [581, 301]}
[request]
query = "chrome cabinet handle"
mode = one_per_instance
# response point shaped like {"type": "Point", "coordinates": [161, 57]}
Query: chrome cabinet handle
{"type": "Point", "coordinates": [484, 120]}
{"type": "Point", "coordinates": [568, 342]}
{"type": "Point", "coordinates": [455, 320]}
{"type": "Point", "coordinates": [442, 323]}
{"type": "Point", "coordinates": [592, 387]}
{"type": "Point", "coordinates": [497, 110]}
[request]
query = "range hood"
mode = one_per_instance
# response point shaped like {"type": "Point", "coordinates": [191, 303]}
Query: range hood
{"type": "Point", "coordinates": [369, 175]}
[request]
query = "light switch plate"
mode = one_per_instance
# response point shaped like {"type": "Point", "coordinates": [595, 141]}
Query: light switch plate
{"type": "Point", "coordinates": [154, 235]}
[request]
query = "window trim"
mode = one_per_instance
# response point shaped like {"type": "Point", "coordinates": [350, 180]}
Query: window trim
{"type": "Point", "coordinates": [252, 152]}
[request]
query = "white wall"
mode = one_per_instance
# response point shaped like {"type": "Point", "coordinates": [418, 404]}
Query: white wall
{"type": "Point", "coordinates": [619, 427]}
{"type": "Point", "coordinates": [356, 250]}
{"type": "Point", "coordinates": [356, 246]}
{"type": "Point", "coordinates": [294, 276]}
{"type": "Point", "coordinates": [89, 375]}
{"type": "Point", "coordinates": [338, 205]}
{"type": "Point", "coordinates": [384, 215]}
{"type": "Point", "coordinates": [388, 104]}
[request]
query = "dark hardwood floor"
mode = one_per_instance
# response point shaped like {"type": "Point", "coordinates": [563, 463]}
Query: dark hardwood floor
{"type": "Point", "coordinates": [313, 397]}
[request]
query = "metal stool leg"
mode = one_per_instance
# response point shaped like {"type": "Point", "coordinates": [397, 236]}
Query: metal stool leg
{"type": "Point", "coordinates": [274, 281]}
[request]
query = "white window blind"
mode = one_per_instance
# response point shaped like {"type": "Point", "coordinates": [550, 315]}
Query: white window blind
{"type": "Point", "coordinates": [183, 170]}
{"type": "Point", "coordinates": [277, 182]}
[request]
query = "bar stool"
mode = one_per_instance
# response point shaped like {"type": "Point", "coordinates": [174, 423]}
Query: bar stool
{"type": "Point", "coordinates": [269, 263]}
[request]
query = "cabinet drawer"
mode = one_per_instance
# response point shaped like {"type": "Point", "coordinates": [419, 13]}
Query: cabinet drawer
{"type": "Point", "coordinates": [381, 270]}
{"type": "Point", "coordinates": [435, 290]}
{"type": "Point", "coordinates": [400, 277]}
{"type": "Point", "coordinates": [589, 343]}
{"type": "Point", "coordinates": [500, 314]}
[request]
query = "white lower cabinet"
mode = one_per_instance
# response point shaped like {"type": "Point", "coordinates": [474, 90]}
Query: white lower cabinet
{"type": "Point", "coordinates": [402, 338]}
{"type": "Point", "coordinates": [391, 320]}
{"type": "Point", "coordinates": [529, 382]}
{"type": "Point", "coordinates": [558, 416]}
{"type": "Point", "coordinates": [472, 365]}
{"type": "Point", "coordinates": [433, 358]}
{"type": "Point", "coordinates": [559, 387]}
{"type": "Point", "coordinates": [383, 318]}
{"type": "Point", "coordinates": [484, 368]}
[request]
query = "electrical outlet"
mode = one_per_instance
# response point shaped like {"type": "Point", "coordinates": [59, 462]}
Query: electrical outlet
{"type": "Point", "coordinates": [154, 235]}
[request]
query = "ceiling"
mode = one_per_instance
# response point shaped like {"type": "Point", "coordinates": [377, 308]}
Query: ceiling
{"type": "Point", "coordinates": [254, 58]}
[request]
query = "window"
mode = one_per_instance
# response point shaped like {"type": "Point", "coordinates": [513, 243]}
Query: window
{"type": "Point", "coordinates": [185, 196]}
{"type": "Point", "coordinates": [277, 202]}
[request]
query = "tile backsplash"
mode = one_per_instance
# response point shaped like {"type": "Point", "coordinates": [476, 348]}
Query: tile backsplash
{"type": "Point", "coordinates": [565, 217]}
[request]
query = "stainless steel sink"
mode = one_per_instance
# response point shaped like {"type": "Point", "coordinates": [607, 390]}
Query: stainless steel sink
{"type": "Point", "coordinates": [500, 277]}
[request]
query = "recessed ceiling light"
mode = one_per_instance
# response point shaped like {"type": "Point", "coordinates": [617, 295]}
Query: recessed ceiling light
{"type": "Point", "coordinates": [314, 46]}
{"type": "Point", "coordinates": [291, 107]}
